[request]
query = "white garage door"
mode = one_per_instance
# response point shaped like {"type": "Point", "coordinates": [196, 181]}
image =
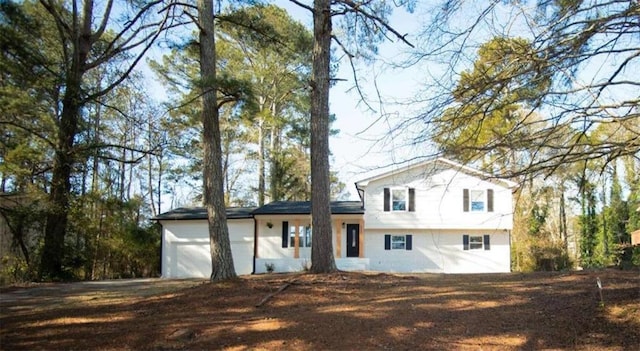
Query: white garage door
{"type": "Point", "coordinates": [187, 248]}
{"type": "Point", "coordinates": [193, 260]}
{"type": "Point", "coordinates": [242, 252]}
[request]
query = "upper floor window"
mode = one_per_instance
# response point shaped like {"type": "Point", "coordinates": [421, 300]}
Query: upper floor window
{"type": "Point", "coordinates": [399, 199]}
{"type": "Point", "coordinates": [476, 200]}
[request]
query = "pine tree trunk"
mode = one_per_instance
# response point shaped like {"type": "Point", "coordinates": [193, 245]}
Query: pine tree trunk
{"type": "Point", "coordinates": [221, 259]}
{"type": "Point", "coordinates": [322, 259]}
{"type": "Point", "coordinates": [51, 263]}
{"type": "Point", "coordinates": [261, 163]}
{"type": "Point", "coordinates": [57, 217]}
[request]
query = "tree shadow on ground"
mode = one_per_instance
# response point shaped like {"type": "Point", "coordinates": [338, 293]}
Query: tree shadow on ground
{"type": "Point", "coordinates": [353, 311]}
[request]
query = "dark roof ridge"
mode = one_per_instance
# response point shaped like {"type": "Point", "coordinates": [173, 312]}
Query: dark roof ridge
{"type": "Point", "coordinates": [274, 208]}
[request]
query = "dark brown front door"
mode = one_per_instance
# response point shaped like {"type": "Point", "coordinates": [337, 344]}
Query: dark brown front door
{"type": "Point", "coordinates": [353, 240]}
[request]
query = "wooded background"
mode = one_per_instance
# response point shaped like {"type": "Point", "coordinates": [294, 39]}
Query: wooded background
{"type": "Point", "coordinates": [88, 157]}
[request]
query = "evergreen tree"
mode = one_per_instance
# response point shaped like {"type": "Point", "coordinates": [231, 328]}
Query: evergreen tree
{"type": "Point", "coordinates": [566, 81]}
{"type": "Point", "coordinates": [55, 51]}
{"type": "Point", "coordinates": [365, 25]}
{"type": "Point", "coordinates": [588, 225]}
{"type": "Point", "coordinates": [263, 65]}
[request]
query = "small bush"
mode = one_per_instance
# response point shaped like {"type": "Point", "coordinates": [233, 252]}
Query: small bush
{"type": "Point", "coordinates": [271, 267]}
{"type": "Point", "coordinates": [550, 258]}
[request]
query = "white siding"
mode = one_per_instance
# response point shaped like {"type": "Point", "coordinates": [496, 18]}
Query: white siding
{"type": "Point", "coordinates": [438, 251]}
{"type": "Point", "coordinates": [270, 239]}
{"type": "Point", "coordinates": [438, 202]}
{"type": "Point", "coordinates": [185, 246]}
{"type": "Point", "coordinates": [271, 252]}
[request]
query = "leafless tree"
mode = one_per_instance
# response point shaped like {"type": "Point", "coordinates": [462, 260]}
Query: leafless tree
{"type": "Point", "coordinates": [590, 52]}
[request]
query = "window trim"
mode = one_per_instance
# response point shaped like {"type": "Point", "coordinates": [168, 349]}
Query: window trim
{"type": "Point", "coordinates": [481, 195]}
{"type": "Point", "coordinates": [398, 242]}
{"type": "Point", "coordinates": [409, 199]}
{"type": "Point", "coordinates": [485, 242]}
{"type": "Point", "coordinates": [305, 236]}
{"type": "Point", "coordinates": [487, 197]}
{"type": "Point", "coordinates": [408, 242]}
{"type": "Point", "coordinates": [476, 242]}
{"type": "Point", "coordinates": [405, 192]}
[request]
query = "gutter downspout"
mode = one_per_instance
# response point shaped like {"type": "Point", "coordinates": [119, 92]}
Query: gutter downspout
{"type": "Point", "coordinates": [360, 194]}
{"type": "Point", "coordinates": [255, 243]}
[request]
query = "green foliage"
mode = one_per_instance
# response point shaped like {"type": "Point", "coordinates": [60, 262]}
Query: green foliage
{"type": "Point", "coordinates": [488, 101]}
{"type": "Point", "coordinates": [550, 256]}
{"type": "Point", "coordinates": [538, 241]}
{"type": "Point", "coordinates": [588, 225]}
{"type": "Point", "coordinates": [574, 105]}
{"type": "Point", "coordinates": [537, 219]}
{"type": "Point", "coordinates": [106, 134]}
{"type": "Point", "coordinates": [108, 241]}
{"type": "Point", "coordinates": [263, 62]}
{"type": "Point", "coordinates": [635, 256]}
{"type": "Point", "coordinates": [22, 220]}
{"type": "Point", "coordinates": [28, 88]}
{"type": "Point", "coordinates": [361, 25]}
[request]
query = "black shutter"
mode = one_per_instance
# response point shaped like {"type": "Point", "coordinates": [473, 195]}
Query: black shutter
{"type": "Point", "coordinates": [465, 242]}
{"type": "Point", "coordinates": [285, 234]}
{"type": "Point", "coordinates": [409, 244]}
{"type": "Point", "coordinates": [490, 200]}
{"type": "Point", "coordinates": [387, 242]}
{"type": "Point", "coordinates": [487, 240]}
{"type": "Point", "coordinates": [412, 200]}
{"type": "Point", "coordinates": [465, 200]}
{"type": "Point", "coordinates": [387, 199]}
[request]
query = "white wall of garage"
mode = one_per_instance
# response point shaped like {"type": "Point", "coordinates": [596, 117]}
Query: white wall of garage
{"type": "Point", "coordinates": [185, 247]}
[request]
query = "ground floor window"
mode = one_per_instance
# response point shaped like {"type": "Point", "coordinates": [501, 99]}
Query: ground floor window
{"type": "Point", "coordinates": [476, 242]}
{"type": "Point", "coordinates": [398, 242]}
{"type": "Point", "coordinates": [304, 235]}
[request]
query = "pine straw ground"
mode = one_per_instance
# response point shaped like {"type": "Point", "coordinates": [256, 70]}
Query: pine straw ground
{"type": "Point", "coordinates": [345, 311]}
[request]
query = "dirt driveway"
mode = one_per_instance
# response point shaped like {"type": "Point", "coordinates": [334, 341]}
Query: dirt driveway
{"type": "Point", "coordinates": [342, 311]}
{"type": "Point", "coordinates": [51, 295]}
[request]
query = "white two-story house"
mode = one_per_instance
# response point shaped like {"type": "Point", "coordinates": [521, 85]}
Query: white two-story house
{"type": "Point", "coordinates": [435, 216]}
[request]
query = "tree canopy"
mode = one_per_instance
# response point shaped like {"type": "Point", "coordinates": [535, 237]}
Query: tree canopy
{"type": "Point", "coordinates": [566, 66]}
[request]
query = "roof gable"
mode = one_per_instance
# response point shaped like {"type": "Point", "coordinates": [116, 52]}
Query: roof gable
{"type": "Point", "coordinates": [437, 164]}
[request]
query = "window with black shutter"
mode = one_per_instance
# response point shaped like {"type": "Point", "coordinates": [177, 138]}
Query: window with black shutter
{"type": "Point", "coordinates": [487, 245]}
{"type": "Point", "coordinates": [412, 200]}
{"type": "Point", "coordinates": [285, 234]}
{"type": "Point", "coordinates": [490, 200]}
{"type": "Point", "coordinates": [398, 242]}
{"type": "Point", "coordinates": [465, 200]}
{"type": "Point", "coordinates": [387, 200]}
{"type": "Point", "coordinates": [465, 242]}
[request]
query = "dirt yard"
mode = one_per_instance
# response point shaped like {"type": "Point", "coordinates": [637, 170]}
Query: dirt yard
{"type": "Point", "coordinates": [346, 311]}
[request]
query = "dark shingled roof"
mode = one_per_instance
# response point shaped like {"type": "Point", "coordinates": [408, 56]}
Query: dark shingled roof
{"type": "Point", "coordinates": [304, 207]}
{"type": "Point", "coordinates": [274, 208]}
{"type": "Point", "coordinates": [201, 213]}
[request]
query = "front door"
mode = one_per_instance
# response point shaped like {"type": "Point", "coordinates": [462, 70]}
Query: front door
{"type": "Point", "coordinates": [353, 240]}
